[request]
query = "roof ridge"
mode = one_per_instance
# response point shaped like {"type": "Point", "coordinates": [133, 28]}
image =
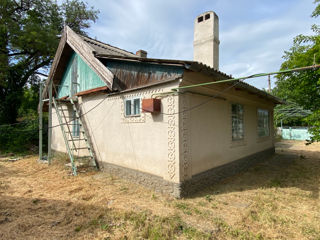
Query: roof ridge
{"type": "Point", "coordinates": [103, 45]}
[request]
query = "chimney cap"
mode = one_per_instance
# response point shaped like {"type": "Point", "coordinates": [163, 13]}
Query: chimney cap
{"type": "Point", "coordinates": [142, 53]}
{"type": "Point", "coordinates": [206, 15]}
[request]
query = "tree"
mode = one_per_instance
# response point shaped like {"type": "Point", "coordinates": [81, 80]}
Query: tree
{"type": "Point", "coordinates": [303, 88]}
{"type": "Point", "coordinates": [29, 32]}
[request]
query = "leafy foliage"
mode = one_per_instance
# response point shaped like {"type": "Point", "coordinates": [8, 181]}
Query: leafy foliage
{"type": "Point", "coordinates": [303, 88]}
{"type": "Point", "coordinates": [291, 114]}
{"type": "Point", "coordinates": [21, 137]}
{"type": "Point", "coordinates": [28, 41]}
{"type": "Point", "coordinates": [314, 121]}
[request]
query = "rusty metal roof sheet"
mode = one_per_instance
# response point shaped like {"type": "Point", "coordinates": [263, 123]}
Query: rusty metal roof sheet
{"type": "Point", "coordinates": [195, 67]}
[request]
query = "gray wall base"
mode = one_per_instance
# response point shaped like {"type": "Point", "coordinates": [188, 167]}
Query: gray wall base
{"type": "Point", "coordinates": [191, 186]}
{"type": "Point", "coordinates": [145, 179]}
{"type": "Point", "coordinates": [215, 175]}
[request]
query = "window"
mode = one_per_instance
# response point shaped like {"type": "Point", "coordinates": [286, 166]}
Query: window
{"type": "Point", "coordinates": [207, 16]}
{"type": "Point", "coordinates": [263, 123]}
{"type": "Point", "coordinates": [237, 122]}
{"type": "Point", "coordinates": [75, 125]}
{"type": "Point", "coordinates": [132, 107]}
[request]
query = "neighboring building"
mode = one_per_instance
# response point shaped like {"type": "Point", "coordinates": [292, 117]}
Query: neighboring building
{"type": "Point", "coordinates": [138, 128]}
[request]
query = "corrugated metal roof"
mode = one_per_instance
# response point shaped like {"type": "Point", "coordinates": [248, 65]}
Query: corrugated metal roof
{"type": "Point", "coordinates": [103, 48]}
{"type": "Point", "coordinates": [191, 65]}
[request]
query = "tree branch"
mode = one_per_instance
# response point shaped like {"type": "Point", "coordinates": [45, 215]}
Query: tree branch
{"type": "Point", "coordinates": [17, 53]}
{"type": "Point", "coordinates": [42, 74]}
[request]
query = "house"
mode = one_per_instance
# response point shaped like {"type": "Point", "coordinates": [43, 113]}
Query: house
{"type": "Point", "coordinates": [141, 120]}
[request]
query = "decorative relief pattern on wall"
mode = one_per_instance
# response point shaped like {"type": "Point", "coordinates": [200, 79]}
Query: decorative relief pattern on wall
{"type": "Point", "coordinates": [185, 145]}
{"type": "Point", "coordinates": [171, 137]}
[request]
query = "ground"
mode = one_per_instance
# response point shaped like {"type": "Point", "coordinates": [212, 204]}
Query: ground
{"type": "Point", "coordinates": [278, 199]}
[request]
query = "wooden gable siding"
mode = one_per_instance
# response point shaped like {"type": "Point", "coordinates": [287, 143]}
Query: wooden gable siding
{"type": "Point", "coordinates": [86, 77]}
{"type": "Point", "coordinates": [130, 75]}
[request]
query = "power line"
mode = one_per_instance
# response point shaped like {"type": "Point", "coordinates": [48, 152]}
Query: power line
{"type": "Point", "coordinates": [313, 67]}
{"type": "Point", "coordinates": [83, 113]}
{"type": "Point", "coordinates": [175, 113]}
{"type": "Point", "coordinates": [19, 123]}
{"type": "Point", "coordinates": [236, 80]}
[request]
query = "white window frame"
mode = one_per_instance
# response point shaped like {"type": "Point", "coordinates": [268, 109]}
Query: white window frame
{"type": "Point", "coordinates": [132, 107]}
{"type": "Point", "coordinates": [266, 124]}
{"type": "Point", "coordinates": [241, 117]}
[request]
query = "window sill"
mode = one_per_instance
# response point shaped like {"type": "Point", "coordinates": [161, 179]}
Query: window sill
{"type": "Point", "coordinates": [135, 116]}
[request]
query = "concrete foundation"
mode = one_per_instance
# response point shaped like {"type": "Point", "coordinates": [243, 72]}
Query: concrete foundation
{"type": "Point", "coordinates": [193, 185]}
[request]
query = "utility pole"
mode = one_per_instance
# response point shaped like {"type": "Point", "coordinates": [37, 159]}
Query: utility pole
{"type": "Point", "coordinates": [40, 122]}
{"type": "Point", "coordinates": [50, 122]}
{"type": "Point", "coordinates": [269, 84]}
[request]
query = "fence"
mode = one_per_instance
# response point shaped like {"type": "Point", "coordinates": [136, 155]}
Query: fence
{"type": "Point", "coordinates": [294, 133]}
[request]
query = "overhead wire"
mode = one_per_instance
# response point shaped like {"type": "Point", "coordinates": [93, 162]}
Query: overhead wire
{"type": "Point", "coordinates": [235, 80]}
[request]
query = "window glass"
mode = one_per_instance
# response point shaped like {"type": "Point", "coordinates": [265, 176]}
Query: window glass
{"type": "Point", "coordinates": [75, 126]}
{"type": "Point", "coordinates": [237, 122]}
{"type": "Point", "coordinates": [263, 122]}
{"type": "Point", "coordinates": [136, 106]}
{"type": "Point", "coordinates": [132, 107]}
{"type": "Point", "coordinates": [128, 107]}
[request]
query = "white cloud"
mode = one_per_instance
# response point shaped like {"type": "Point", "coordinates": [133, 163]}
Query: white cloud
{"type": "Point", "coordinates": [253, 35]}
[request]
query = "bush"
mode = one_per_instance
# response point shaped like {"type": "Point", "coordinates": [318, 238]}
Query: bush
{"type": "Point", "coordinates": [22, 136]}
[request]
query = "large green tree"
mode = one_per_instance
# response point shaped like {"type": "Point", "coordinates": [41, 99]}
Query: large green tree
{"type": "Point", "coordinates": [29, 31]}
{"type": "Point", "coordinates": [303, 88]}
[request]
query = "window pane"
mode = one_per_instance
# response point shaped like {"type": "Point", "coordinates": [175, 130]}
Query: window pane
{"type": "Point", "coordinates": [128, 107]}
{"type": "Point", "coordinates": [136, 106]}
{"type": "Point", "coordinates": [237, 122]}
{"type": "Point", "coordinates": [75, 126]}
{"type": "Point", "coordinates": [263, 122]}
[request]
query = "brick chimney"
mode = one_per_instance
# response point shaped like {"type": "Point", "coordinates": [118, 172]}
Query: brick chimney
{"type": "Point", "coordinates": [141, 53]}
{"type": "Point", "coordinates": [206, 39]}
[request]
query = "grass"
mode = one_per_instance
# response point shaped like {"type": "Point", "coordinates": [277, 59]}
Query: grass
{"type": "Point", "coordinates": [278, 199]}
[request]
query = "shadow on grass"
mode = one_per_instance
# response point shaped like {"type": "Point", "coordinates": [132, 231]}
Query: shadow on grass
{"type": "Point", "coordinates": [38, 218]}
{"type": "Point", "coordinates": [282, 170]}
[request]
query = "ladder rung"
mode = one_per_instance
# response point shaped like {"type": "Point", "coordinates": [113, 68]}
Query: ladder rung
{"type": "Point", "coordinates": [73, 140]}
{"type": "Point", "coordinates": [80, 148]}
{"type": "Point", "coordinates": [83, 157]}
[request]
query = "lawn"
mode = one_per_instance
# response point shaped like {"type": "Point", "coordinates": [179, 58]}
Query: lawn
{"type": "Point", "coordinates": [278, 199]}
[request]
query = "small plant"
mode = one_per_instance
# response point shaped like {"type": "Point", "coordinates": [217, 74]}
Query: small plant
{"type": "Point", "coordinates": [208, 198]}
{"type": "Point", "coordinates": [154, 197]}
{"type": "Point", "coordinates": [78, 228]}
{"type": "Point", "coordinates": [35, 201]}
{"type": "Point", "coordinates": [184, 207]}
{"type": "Point", "coordinates": [104, 226]}
{"type": "Point", "coordinates": [124, 189]}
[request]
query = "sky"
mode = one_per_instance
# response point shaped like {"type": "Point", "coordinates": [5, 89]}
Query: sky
{"type": "Point", "coordinates": [253, 33]}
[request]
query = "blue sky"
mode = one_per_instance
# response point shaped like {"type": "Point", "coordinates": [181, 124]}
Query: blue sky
{"type": "Point", "coordinates": [253, 33]}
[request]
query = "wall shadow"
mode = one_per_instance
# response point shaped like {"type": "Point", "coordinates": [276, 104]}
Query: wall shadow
{"type": "Point", "coordinates": [38, 218]}
{"type": "Point", "coordinates": [284, 169]}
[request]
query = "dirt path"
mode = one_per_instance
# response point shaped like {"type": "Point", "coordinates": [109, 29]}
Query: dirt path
{"type": "Point", "coordinates": [276, 199]}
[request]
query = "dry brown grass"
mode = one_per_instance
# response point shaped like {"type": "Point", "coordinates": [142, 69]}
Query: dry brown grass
{"type": "Point", "coordinates": [278, 199]}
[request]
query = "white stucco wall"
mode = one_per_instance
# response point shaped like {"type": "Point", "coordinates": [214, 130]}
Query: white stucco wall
{"type": "Point", "coordinates": [148, 143]}
{"type": "Point", "coordinates": [209, 127]}
{"type": "Point", "coordinates": [175, 146]}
